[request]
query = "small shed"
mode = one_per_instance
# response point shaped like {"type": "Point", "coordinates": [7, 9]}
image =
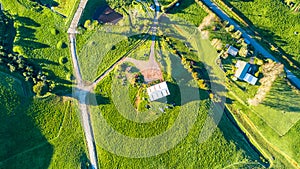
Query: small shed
{"type": "Point", "coordinates": [232, 51]}
{"type": "Point", "coordinates": [250, 79]}
{"type": "Point", "coordinates": [158, 91]}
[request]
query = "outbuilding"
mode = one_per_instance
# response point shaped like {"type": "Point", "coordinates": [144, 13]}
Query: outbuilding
{"type": "Point", "coordinates": [232, 51]}
{"type": "Point", "coordinates": [158, 91]}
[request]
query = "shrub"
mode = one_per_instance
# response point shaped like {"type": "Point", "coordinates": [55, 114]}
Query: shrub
{"type": "Point", "coordinates": [54, 31]}
{"type": "Point", "coordinates": [61, 45]}
{"type": "Point", "coordinates": [18, 49]}
{"type": "Point", "coordinates": [40, 88]}
{"type": "Point", "coordinates": [63, 60]}
{"type": "Point", "coordinates": [69, 76]}
{"type": "Point", "coordinates": [87, 24]}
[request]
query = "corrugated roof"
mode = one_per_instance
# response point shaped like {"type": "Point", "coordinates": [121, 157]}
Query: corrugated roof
{"type": "Point", "coordinates": [158, 91]}
{"type": "Point", "coordinates": [250, 79]}
{"type": "Point", "coordinates": [232, 51]}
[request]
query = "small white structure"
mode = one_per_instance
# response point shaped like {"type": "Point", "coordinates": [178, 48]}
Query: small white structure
{"type": "Point", "coordinates": [158, 91]}
{"type": "Point", "coordinates": [232, 51]}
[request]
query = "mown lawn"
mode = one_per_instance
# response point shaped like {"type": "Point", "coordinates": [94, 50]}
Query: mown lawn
{"type": "Point", "coordinates": [38, 132]}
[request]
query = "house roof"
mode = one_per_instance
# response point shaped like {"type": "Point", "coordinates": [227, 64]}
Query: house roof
{"type": "Point", "coordinates": [232, 51]}
{"type": "Point", "coordinates": [250, 79]}
{"type": "Point", "coordinates": [158, 91]}
{"type": "Point", "coordinates": [106, 14]}
{"type": "Point", "coordinates": [242, 70]}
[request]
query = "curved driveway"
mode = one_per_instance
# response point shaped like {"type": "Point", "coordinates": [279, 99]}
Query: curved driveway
{"type": "Point", "coordinates": [254, 43]}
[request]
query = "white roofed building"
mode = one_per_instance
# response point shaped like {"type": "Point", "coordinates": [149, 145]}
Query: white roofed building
{"type": "Point", "coordinates": [158, 91]}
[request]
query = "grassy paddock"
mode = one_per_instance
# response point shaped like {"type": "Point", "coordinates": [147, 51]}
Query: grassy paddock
{"type": "Point", "coordinates": [37, 132]}
{"type": "Point", "coordinates": [38, 43]}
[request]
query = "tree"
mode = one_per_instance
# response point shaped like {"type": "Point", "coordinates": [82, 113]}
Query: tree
{"type": "Point", "coordinates": [11, 67]}
{"type": "Point", "coordinates": [61, 45]}
{"type": "Point", "coordinates": [87, 24]}
{"type": "Point", "coordinates": [40, 88]}
{"type": "Point", "coordinates": [54, 31]}
{"type": "Point", "coordinates": [195, 75]}
{"type": "Point", "coordinates": [63, 60]}
{"type": "Point", "coordinates": [18, 49]}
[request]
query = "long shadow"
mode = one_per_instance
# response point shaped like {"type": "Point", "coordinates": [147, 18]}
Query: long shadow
{"type": "Point", "coordinates": [283, 98]}
{"type": "Point", "coordinates": [44, 61]}
{"type": "Point", "coordinates": [9, 34]}
{"type": "Point", "coordinates": [48, 3]}
{"type": "Point", "coordinates": [26, 21]}
{"type": "Point", "coordinates": [27, 33]}
{"type": "Point", "coordinates": [233, 133]}
{"type": "Point", "coordinates": [22, 145]}
{"type": "Point", "coordinates": [84, 162]}
{"type": "Point", "coordinates": [31, 44]}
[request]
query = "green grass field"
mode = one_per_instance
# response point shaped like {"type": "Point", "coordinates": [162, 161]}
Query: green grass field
{"type": "Point", "coordinates": [38, 132]}
{"type": "Point", "coordinates": [66, 7]}
{"type": "Point", "coordinates": [36, 40]}
{"type": "Point", "coordinates": [280, 103]}
{"type": "Point", "coordinates": [227, 143]}
{"type": "Point", "coordinates": [223, 143]}
{"type": "Point", "coordinates": [189, 11]}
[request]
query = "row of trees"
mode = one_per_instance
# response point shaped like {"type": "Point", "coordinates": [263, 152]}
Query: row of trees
{"type": "Point", "coordinates": [192, 66]}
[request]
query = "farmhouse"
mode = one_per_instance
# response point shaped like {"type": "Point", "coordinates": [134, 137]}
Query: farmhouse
{"type": "Point", "coordinates": [106, 14]}
{"type": "Point", "coordinates": [232, 51]}
{"type": "Point", "coordinates": [158, 91]}
{"type": "Point", "coordinates": [242, 72]}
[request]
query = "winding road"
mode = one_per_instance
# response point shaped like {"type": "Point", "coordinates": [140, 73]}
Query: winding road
{"type": "Point", "coordinates": [293, 79]}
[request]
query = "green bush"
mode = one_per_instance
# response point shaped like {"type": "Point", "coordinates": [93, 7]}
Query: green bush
{"type": "Point", "coordinates": [40, 88]}
{"type": "Point", "coordinates": [63, 60]}
{"type": "Point", "coordinates": [18, 49]}
{"type": "Point", "coordinates": [54, 31]}
{"type": "Point", "coordinates": [61, 45]}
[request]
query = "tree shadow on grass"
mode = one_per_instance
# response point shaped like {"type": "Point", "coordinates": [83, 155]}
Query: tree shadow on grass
{"type": "Point", "coordinates": [20, 138]}
{"type": "Point", "coordinates": [233, 133]}
{"type": "Point", "coordinates": [30, 44]}
{"type": "Point", "coordinates": [27, 33]}
{"type": "Point", "coordinates": [84, 161]}
{"type": "Point", "coordinates": [282, 97]}
{"type": "Point", "coordinates": [26, 21]}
